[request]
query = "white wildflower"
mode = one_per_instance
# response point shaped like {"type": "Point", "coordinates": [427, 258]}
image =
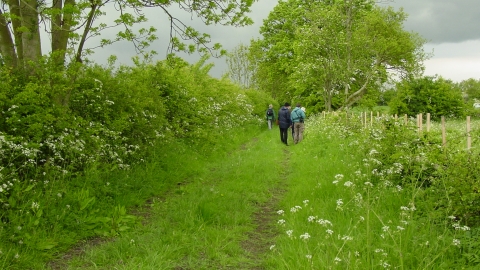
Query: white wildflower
{"type": "Point", "coordinates": [456, 242]}
{"type": "Point", "coordinates": [305, 236]}
{"type": "Point", "coordinates": [35, 205]}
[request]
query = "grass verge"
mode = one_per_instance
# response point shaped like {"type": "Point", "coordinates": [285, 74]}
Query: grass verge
{"type": "Point", "coordinates": [219, 217]}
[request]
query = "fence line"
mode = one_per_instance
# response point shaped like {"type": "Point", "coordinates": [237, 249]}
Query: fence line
{"type": "Point", "coordinates": [368, 122]}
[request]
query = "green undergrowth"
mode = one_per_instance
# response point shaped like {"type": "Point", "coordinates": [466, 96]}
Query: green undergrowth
{"type": "Point", "coordinates": [204, 219]}
{"type": "Point", "coordinates": [368, 199]}
{"type": "Point", "coordinates": [102, 205]}
{"type": "Point", "coordinates": [346, 197]}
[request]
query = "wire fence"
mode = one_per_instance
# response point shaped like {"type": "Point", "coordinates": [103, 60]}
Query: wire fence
{"type": "Point", "coordinates": [458, 133]}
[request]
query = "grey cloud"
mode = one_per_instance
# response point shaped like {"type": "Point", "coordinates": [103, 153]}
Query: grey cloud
{"type": "Point", "coordinates": [442, 21]}
{"type": "Point", "coordinates": [438, 21]}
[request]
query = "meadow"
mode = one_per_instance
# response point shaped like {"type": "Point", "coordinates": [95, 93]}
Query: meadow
{"type": "Point", "coordinates": [346, 197]}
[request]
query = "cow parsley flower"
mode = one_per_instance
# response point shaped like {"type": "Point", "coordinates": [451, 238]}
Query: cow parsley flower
{"type": "Point", "coordinates": [305, 236]}
{"type": "Point", "coordinates": [456, 242]}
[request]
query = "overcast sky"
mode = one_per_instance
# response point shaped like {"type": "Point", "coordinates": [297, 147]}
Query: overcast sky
{"type": "Point", "coordinates": [452, 28]}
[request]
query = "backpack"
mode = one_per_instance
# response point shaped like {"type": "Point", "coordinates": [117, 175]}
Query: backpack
{"type": "Point", "coordinates": [269, 112]}
{"type": "Point", "coordinates": [299, 117]}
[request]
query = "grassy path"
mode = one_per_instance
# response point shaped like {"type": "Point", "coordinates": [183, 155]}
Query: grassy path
{"type": "Point", "coordinates": [224, 218]}
{"type": "Point", "coordinates": [325, 203]}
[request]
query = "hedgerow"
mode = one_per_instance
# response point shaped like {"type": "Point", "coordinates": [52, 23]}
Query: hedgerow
{"type": "Point", "coordinates": [59, 125]}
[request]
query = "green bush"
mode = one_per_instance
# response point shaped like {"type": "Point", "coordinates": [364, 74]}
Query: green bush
{"type": "Point", "coordinates": [58, 126]}
{"type": "Point", "coordinates": [436, 96]}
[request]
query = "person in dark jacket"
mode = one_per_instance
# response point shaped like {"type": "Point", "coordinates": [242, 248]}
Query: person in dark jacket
{"type": "Point", "coordinates": [284, 122]}
{"type": "Point", "coordinates": [270, 113]}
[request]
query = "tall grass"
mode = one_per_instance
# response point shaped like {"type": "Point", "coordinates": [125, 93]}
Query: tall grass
{"type": "Point", "coordinates": [345, 211]}
{"type": "Point", "coordinates": [353, 198]}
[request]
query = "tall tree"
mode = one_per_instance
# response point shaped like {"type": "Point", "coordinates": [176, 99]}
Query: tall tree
{"type": "Point", "coordinates": [274, 51]}
{"type": "Point", "coordinates": [335, 51]}
{"type": "Point", "coordinates": [355, 52]}
{"type": "Point", "coordinates": [240, 68]}
{"type": "Point", "coordinates": [70, 23]}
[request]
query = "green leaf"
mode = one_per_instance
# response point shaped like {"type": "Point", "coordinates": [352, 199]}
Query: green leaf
{"type": "Point", "coordinates": [46, 245]}
{"type": "Point", "coordinates": [29, 188]}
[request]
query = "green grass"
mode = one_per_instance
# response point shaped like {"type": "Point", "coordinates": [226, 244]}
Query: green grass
{"type": "Point", "coordinates": [203, 221]}
{"type": "Point", "coordinates": [257, 204]}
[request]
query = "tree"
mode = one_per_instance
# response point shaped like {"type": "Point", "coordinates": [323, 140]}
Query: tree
{"type": "Point", "coordinates": [274, 53]}
{"type": "Point", "coordinates": [70, 23]}
{"type": "Point", "coordinates": [334, 50]}
{"type": "Point", "coordinates": [433, 95]}
{"type": "Point", "coordinates": [353, 46]}
{"type": "Point", "coordinates": [240, 68]}
{"type": "Point", "coordinates": [470, 89]}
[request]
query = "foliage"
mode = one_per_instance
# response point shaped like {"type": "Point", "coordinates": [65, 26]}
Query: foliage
{"type": "Point", "coordinates": [70, 23]}
{"type": "Point", "coordinates": [336, 51]}
{"type": "Point", "coordinates": [59, 128]}
{"type": "Point", "coordinates": [240, 69]}
{"type": "Point", "coordinates": [359, 202]}
{"type": "Point", "coordinates": [433, 95]}
{"type": "Point", "coordinates": [470, 89]}
{"type": "Point", "coordinates": [273, 53]}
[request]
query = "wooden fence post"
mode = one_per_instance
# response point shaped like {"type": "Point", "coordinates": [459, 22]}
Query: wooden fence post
{"type": "Point", "coordinates": [420, 123]}
{"type": "Point", "coordinates": [444, 137]}
{"type": "Point", "coordinates": [365, 120]}
{"type": "Point", "coordinates": [428, 122]}
{"type": "Point", "coordinates": [469, 138]}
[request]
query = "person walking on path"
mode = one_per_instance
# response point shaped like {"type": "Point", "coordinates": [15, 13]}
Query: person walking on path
{"type": "Point", "coordinates": [284, 122]}
{"type": "Point", "coordinates": [297, 117]}
{"type": "Point", "coordinates": [270, 113]}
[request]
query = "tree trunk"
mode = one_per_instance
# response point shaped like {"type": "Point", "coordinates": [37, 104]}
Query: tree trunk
{"type": "Point", "coordinates": [349, 49]}
{"type": "Point", "coordinates": [357, 95]}
{"type": "Point", "coordinates": [32, 48]}
{"type": "Point", "coordinates": [88, 25]}
{"type": "Point", "coordinates": [7, 47]}
{"type": "Point", "coordinates": [13, 6]}
{"type": "Point", "coordinates": [61, 27]}
{"type": "Point", "coordinates": [327, 95]}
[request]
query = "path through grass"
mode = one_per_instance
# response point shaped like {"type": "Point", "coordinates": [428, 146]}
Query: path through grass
{"type": "Point", "coordinates": [222, 218]}
{"type": "Point", "coordinates": [321, 204]}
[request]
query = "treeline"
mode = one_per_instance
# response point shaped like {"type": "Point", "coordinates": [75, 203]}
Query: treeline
{"type": "Point", "coordinates": [341, 55]}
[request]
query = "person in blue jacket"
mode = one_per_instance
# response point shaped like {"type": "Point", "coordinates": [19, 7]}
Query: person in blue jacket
{"type": "Point", "coordinates": [297, 117]}
{"type": "Point", "coordinates": [284, 122]}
